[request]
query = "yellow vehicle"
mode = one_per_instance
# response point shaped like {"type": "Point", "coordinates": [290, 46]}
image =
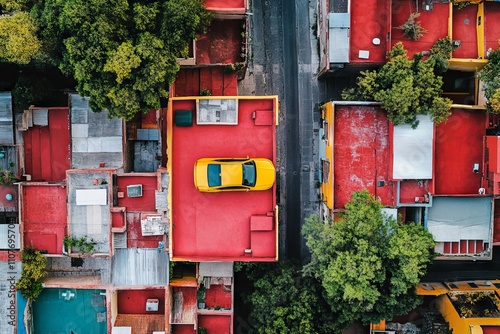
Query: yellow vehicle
{"type": "Point", "coordinates": [233, 174]}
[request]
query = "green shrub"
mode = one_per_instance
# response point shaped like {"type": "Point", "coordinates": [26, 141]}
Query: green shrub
{"type": "Point", "coordinates": [412, 28]}
{"type": "Point", "coordinates": [33, 273]}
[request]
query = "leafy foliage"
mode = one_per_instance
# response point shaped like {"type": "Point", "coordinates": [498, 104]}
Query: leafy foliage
{"type": "Point", "coordinates": [413, 28]}
{"type": "Point", "coordinates": [368, 263]}
{"type": "Point", "coordinates": [284, 301]}
{"type": "Point", "coordinates": [479, 304]}
{"type": "Point", "coordinates": [461, 4]}
{"type": "Point", "coordinates": [32, 88]}
{"type": "Point", "coordinates": [125, 64]}
{"type": "Point", "coordinates": [81, 245]}
{"type": "Point", "coordinates": [404, 87]}
{"type": "Point", "coordinates": [490, 74]}
{"type": "Point", "coordinates": [442, 47]}
{"type": "Point", "coordinates": [7, 177]}
{"type": "Point", "coordinates": [33, 273]}
{"type": "Point", "coordinates": [18, 41]}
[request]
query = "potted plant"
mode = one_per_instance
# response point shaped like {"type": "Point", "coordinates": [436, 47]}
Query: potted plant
{"type": "Point", "coordinates": [200, 296]}
{"type": "Point", "coordinates": [412, 28]}
{"type": "Point", "coordinates": [78, 245]}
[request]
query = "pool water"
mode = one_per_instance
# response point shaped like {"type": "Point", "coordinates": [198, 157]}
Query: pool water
{"type": "Point", "coordinates": [70, 311]}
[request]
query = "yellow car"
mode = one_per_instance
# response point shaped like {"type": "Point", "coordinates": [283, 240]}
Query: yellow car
{"type": "Point", "coordinates": [233, 174]}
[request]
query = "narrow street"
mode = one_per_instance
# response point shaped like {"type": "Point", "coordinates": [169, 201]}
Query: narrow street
{"type": "Point", "coordinates": [284, 62]}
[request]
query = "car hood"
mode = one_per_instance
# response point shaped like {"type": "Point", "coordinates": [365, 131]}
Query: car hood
{"type": "Point", "coordinates": [266, 174]}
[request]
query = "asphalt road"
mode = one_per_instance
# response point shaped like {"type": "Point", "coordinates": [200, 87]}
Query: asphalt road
{"type": "Point", "coordinates": [291, 102]}
{"type": "Point", "coordinates": [284, 62]}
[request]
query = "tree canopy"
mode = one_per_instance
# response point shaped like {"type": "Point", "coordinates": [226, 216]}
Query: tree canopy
{"type": "Point", "coordinates": [367, 263]}
{"type": "Point", "coordinates": [490, 74]}
{"type": "Point", "coordinates": [285, 301]}
{"type": "Point", "coordinates": [122, 53]}
{"type": "Point", "coordinates": [404, 87]}
{"type": "Point", "coordinates": [18, 41]}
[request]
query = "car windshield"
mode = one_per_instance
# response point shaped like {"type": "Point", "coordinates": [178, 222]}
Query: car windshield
{"type": "Point", "coordinates": [249, 174]}
{"type": "Point", "coordinates": [213, 175]}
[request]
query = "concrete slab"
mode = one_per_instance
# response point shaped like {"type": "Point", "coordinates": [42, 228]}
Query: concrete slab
{"type": "Point", "coordinates": [79, 130]}
{"type": "Point", "coordinates": [94, 144]}
{"type": "Point", "coordinates": [79, 145]}
{"type": "Point", "coordinates": [111, 144]}
{"type": "Point", "coordinates": [41, 117]}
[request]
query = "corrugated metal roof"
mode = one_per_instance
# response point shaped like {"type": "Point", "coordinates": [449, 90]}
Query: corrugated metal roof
{"type": "Point", "coordinates": [460, 218]}
{"type": "Point", "coordinates": [413, 150]}
{"type": "Point", "coordinates": [338, 43]}
{"type": "Point", "coordinates": [140, 266]}
{"type": "Point", "coordinates": [6, 120]}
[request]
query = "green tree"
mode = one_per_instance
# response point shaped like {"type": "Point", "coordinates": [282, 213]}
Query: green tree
{"type": "Point", "coordinates": [122, 53]}
{"type": "Point", "coordinates": [284, 301]}
{"type": "Point", "coordinates": [490, 75]}
{"type": "Point", "coordinates": [368, 263]}
{"type": "Point", "coordinates": [18, 41]}
{"type": "Point", "coordinates": [33, 273]}
{"type": "Point", "coordinates": [405, 87]}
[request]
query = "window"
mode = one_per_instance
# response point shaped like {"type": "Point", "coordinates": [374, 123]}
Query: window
{"type": "Point", "coordinates": [325, 130]}
{"type": "Point", "coordinates": [249, 174]}
{"type": "Point", "coordinates": [213, 174]}
{"type": "Point", "coordinates": [191, 57]}
{"type": "Point", "coordinates": [325, 170]}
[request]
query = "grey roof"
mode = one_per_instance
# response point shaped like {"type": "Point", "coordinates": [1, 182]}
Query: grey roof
{"type": "Point", "coordinates": [92, 221]}
{"type": "Point", "coordinates": [140, 266]}
{"type": "Point", "coordinates": [6, 120]}
{"type": "Point", "coordinates": [95, 138]}
{"type": "Point", "coordinates": [216, 269]}
{"type": "Point", "coordinates": [460, 218]}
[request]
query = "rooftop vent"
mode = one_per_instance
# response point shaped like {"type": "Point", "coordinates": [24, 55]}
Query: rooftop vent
{"type": "Point", "coordinates": [134, 190]}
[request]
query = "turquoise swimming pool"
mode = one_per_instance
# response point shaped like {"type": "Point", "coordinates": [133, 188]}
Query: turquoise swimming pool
{"type": "Point", "coordinates": [70, 311]}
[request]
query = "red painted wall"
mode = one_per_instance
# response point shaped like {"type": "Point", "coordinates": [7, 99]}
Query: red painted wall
{"type": "Point", "coordinates": [496, 221]}
{"type": "Point", "coordinates": [183, 329]}
{"type": "Point", "coordinates": [458, 145]}
{"type": "Point", "coordinates": [47, 148]}
{"type": "Point", "coordinates": [134, 301]}
{"type": "Point", "coordinates": [464, 32]}
{"type": "Point", "coordinates": [220, 324]}
{"type": "Point", "coordinates": [118, 219]}
{"type": "Point", "coordinates": [45, 217]}
{"type": "Point", "coordinates": [44, 204]}
{"type": "Point", "coordinates": [362, 154]}
{"type": "Point", "coordinates": [491, 26]}
{"type": "Point", "coordinates": [144, 203]}
{"type": "Point", "coordinates": [190, 82]}
{"type": "Point", "coordinates": [225, 4]}
{"type": "Point", "coordinates": [217, 296]}
{"type": "Point", "coordinates": [134, 235]}
{"type": "Point", "coordinates": [221, 44]}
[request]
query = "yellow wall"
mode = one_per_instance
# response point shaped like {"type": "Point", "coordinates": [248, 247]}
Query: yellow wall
{"type": "Point", "coordinates": [327, 188]}
{"type": "Point", "coordinates": [114, 307]}
{"type": "Point", "coordinates": [458, 324]}
{"type": "Point", "coordinates": [469, 64]}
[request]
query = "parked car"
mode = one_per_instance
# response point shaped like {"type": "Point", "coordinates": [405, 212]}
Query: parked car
{"type": "Point", "coordinates": [233, 174]}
